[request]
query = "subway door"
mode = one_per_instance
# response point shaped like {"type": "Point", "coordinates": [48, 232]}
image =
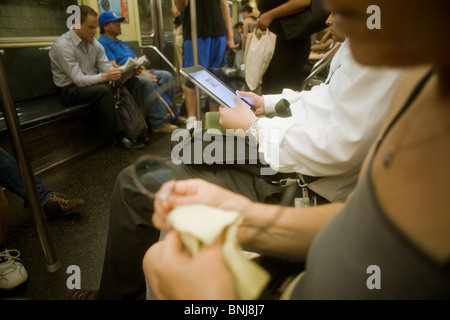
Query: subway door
{"type": "Point", "coordinates": [157, 30]}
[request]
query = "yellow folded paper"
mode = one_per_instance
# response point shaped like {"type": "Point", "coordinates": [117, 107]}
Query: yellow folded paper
{"type": "Point", "coordinates": [200, 225]}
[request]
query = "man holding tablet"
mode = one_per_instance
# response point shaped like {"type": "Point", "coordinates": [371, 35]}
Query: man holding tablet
{"type": "Point", "coordinates": [327, 137]}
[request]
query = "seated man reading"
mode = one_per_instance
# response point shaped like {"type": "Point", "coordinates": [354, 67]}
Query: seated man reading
{"type": "Point", "coordinates": [118, 52]}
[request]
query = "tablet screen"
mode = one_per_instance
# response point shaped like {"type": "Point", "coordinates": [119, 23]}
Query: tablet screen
{"type": "Point", "coordinates": [216, 87]}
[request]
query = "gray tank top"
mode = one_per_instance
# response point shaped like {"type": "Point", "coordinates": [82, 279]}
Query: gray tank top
{"type": "Point", "coordinates": [360, 254]}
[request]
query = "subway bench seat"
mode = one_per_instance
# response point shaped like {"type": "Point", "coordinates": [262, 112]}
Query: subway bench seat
{"type": "Point", "coordinates": [53, 132]}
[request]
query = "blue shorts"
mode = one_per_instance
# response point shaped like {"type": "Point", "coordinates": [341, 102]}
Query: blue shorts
{"type": "Point", "coordinates": [211, 53]}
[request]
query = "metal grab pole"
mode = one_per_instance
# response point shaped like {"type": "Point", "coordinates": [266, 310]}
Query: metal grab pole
{"type": "Point", "coordinates": [193, 13]}
{"type": "Point", "coordinates": [12, 121]}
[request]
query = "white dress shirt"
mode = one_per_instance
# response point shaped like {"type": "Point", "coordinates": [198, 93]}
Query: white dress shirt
{"type": "Point", "coordinates": [74, 63]}
{"type": "Point", "coordinates": [332, 126]}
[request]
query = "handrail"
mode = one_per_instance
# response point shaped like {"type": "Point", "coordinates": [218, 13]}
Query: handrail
{"type": "Point", "coordinates": [13, 125]}
{"type": "Point", "coordinates": [162, 56]}
{"type": "Point", "coordinates": [331, 52]}
{"type": "Point", "coordinates": [319, 67]}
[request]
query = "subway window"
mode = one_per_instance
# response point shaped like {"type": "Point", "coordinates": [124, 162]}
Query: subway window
{"type": "Point", "coordinates": [31, 20]}
{"type": "Point", "coordinates": [167, 18]}
{"type": "Point", "coordinates": [146, 17]}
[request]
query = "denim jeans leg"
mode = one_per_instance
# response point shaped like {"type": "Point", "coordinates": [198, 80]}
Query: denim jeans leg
{"type": "Point", "coordinates": [166, 83]}
{"type": "Point", "coordinates": [156, 113]}
{"type": "Point", "coordinates": [11, 179]}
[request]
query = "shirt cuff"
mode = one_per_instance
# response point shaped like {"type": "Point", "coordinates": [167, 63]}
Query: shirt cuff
{"type": "Point", "coordinates": [98, 78]}
{"type": "Point", "coordinates": [270, 102]}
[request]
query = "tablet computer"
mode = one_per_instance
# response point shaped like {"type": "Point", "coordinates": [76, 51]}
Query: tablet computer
{"type": "Point", "coordinates": [212, 86]}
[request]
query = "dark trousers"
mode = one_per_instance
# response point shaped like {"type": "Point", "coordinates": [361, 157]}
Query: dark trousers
{"type": "Point", "coordinates": [102, 96]}
{"type": "Point", "coordinates": [286, 69]}
{"type": "Point", "coordinates": [131, 232]}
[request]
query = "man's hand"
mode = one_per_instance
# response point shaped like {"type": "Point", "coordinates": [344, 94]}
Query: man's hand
{"type": "Point", "coordinates": [237, 118]}
{"type": "Point", "coordinates": [140, 71]}
{"type": "Point", "coordinates": [112, 75]}
{"type": "Point", "coordinates": [264, 21]}
{"type": "Point", "coordinates": [192, 191]}
{"type": "Point", "coordinates": [254, 100]}
{"type": "Point", "coordinates": [173, 274]}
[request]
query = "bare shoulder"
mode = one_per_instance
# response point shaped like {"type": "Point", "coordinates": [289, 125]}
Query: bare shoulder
{"type": "Point", "coordinates": [410, 170]}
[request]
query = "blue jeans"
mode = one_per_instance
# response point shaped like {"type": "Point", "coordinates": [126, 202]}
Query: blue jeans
{"type": "Point", "coordinates": [11, 179]}
{"type": "Point", "coordinates": [165, 82]}
{"type": "Point", "coordinates": [156, 112]}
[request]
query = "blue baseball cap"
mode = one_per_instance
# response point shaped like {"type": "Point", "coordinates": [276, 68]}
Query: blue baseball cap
{"type": "Point", "coordinates": [107, 17]}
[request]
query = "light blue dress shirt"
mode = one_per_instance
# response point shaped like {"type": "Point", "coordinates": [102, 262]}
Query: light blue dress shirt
{"type": "Point", "coordinates": [73, 62]}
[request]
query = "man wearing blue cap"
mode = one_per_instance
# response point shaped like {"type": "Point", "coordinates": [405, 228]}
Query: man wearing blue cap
{"type": "Point", "coordinates": [82, 73]}
{"type": "Point", "coordinates": [118, 52]}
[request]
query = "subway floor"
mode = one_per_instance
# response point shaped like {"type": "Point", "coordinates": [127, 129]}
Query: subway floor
{"type": "Point", "coordinates": [79, 239]}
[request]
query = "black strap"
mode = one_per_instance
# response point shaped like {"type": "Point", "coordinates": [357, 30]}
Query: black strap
{"type": "Point", "coordinates": [405, 107]}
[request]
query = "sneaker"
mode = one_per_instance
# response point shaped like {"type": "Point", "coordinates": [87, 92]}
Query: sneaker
{"type": "Point", "coordinates": [12, 273]}
{"type": "Point", "coordinates": [60, 205]}
{"type": "Point", "coordinates": [191, 123]}
{"type": "Point", "coordinates": [128, 144]}
{"type": "Point", "coordinates": [166, 127]}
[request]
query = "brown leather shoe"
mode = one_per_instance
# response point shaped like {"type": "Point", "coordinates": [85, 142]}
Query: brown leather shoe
{"type": "Point", "coordinates": [180, 121]}
{"type": "Point", "coordinates": [60, 205]}
{"type": "Point", "coordinates": [80, 294]}
{"type": "Point", "coordinates": [166, 127]}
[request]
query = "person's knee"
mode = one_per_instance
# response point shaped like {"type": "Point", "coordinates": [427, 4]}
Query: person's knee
{"type": "Point", "coordinates": [147, 85]}
{"type": "Point", "coordinates": [149, 263]}
{"type": "Point", "coordinates": [165, 76]}
{"type": "Point", "coordinates": [103, 90]}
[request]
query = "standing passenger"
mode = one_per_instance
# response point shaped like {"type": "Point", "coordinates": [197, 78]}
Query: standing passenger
{"type": "Point", "coordinates": [290, 56]}
{"type": "Point", "coordinates": [215, 34]}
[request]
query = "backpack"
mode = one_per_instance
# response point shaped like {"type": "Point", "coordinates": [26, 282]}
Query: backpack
{"type": "Point", "coordinates": [128, 112]}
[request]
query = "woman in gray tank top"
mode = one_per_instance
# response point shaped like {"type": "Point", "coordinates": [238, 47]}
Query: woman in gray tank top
{"type": "Point", "coordinates": [391, 239]}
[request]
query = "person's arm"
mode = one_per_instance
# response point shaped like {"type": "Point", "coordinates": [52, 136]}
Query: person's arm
{"type": "Point", "coordinates": [332, 126]}
{"type": "Point", "coordinates": [65, 59]}
{"type": "Point", "coordinates": [227, 20]}
{"type": "Point", "coordinates": [264, 228]}
{"type": "Point", "coordinates": [286, 9]}
{"type": "Point", "coordinates": [245, 28]}
{"type": "Point", "coordinates": [181, 4]}
{"type": "Point", "coordinates": [175, 12]}
{"type": "Point", "coordinates": [321, 46]}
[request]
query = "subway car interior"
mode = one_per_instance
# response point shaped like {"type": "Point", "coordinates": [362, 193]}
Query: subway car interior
{"type": "Point", "coordinates": [67, 148]}
{"type": "Point", "coordinates": [70, 149]}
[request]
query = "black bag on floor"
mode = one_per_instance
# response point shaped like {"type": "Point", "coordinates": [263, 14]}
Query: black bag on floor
{"type": "Point", "coordinates": [128, 112]}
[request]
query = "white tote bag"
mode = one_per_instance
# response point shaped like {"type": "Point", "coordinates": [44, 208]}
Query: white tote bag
{"type": "Point", "coordinates": [259, 50]}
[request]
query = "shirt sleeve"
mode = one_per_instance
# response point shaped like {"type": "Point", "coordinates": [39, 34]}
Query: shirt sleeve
{"type": "Point", "coordinates": [109, 53]}
{"type": "Point", "coordinates": [65, 58]}
{"type": "Point", "coordinates": [103, 64]}
{"type": "Point", "coordinates": [332, 127]}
